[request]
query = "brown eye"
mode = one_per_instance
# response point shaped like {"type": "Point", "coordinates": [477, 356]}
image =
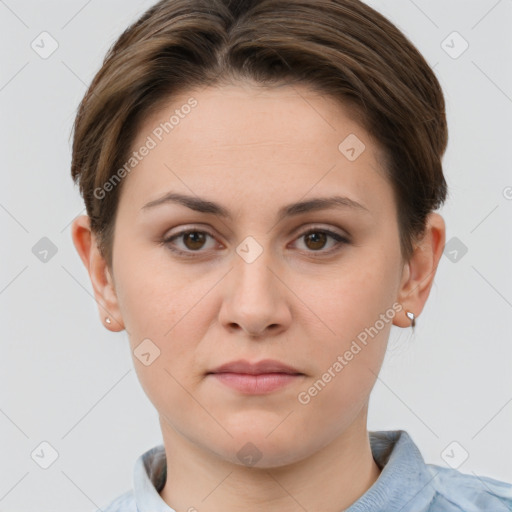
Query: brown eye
{"type": "Point", "coordinates": [194, 240]}
{"type": "Point", "coordinates": [316, 239]}
{"type": "Point", "coordinates": [191, 241]}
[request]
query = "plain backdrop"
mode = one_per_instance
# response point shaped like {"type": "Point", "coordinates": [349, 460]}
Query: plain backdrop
{"type": "Point", "coordinates": [67, 381]}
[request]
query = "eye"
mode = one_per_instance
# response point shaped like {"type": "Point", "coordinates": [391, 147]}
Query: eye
{"type": "Point", "coordinates": [193, 240]}
{"type": "Point", "coordinates": [315, 240]}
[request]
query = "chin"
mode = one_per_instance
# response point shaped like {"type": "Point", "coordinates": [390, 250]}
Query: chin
{"type": "Point", "coordinates": [263, 447]}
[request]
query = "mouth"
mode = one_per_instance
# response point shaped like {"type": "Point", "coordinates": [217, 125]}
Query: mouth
{"type": "Point", "coordinates": [256, 378]}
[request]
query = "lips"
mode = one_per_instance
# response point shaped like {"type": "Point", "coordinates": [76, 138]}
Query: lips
{"type": "Point", "coordinates": [265, 366]}
{"type": "Point", "coordinates": [259, 378]}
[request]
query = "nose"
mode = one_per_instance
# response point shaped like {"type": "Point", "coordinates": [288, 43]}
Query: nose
{"type": "Point", "coordinates": [255, 300]}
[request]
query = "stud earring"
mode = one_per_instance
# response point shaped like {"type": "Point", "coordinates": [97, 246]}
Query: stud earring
{"type": "Point", "coordinates": [411, 317]}
{"type": "Point", "coordinates": [107, 319]}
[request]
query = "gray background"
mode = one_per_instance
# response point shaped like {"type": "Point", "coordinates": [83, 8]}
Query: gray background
{"type": "Point", "coordinates": [68, 381]}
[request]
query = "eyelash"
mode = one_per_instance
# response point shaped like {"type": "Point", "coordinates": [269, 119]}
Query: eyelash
{"type": "Point", "coordinates": [341, 240]}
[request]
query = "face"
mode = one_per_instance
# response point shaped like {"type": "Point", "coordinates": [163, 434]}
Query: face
{"type": "Point", "coordinates": [252, 278]}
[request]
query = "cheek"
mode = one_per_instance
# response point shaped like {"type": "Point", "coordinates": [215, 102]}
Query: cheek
{"type": "Point", "coordinates": [153, 294]}
{"type": "Point", "coordinates": [347, 369]}
{"type": "Point", "coordinates": [355, 307]}
{"type": "Point", "coordinates": [355, 295]}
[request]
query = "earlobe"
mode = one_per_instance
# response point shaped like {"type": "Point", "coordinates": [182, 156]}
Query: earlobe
{"type": "Point", "coordinates": [420, 270]}
{"type": "Point", "coordinates": [99, 274]}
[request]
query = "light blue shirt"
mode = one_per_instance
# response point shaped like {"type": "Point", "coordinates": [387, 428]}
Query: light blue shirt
{"type": "Point", "coordinates": [405, 484]}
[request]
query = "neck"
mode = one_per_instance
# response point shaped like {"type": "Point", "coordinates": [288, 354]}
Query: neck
{"type": "Point", "coordinates": [330, 480]}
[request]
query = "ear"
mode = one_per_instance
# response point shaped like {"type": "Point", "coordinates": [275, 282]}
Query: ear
{"type": "Point", "coordinates": [419, 272]}
{"type": "Point", "coordinates": [99, 273]}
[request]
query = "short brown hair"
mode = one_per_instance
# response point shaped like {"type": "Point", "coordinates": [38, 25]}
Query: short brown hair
{"type": "Point", "coordinates": [343, 48]}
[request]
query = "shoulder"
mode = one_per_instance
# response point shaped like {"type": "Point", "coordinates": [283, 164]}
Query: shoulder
{"type": "Point", "coordinates": [467, 493]}
{"type": "Point", "coordinates": [123, 503]}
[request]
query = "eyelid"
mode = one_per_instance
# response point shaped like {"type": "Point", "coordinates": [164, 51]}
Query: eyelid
{"type": "Point", "coordinates": [325, 229]}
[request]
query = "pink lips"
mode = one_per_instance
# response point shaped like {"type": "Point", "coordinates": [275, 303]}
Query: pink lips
{"type": "Point", "coordinates": [255, 378]}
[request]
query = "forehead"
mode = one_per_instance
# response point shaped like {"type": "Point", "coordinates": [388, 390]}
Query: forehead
{"type": "Point", "coordinates": [240, 138]}
{"type": "Point", "coordinates": [232, 117]}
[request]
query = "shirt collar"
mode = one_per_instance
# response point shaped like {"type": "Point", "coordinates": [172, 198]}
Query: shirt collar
{"type": "Point", "coordinates": [149, 477]}
{"type": "Point", "coordinates": [402, 483]}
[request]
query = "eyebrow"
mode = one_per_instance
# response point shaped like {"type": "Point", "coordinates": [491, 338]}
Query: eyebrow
{"type": "Point", "coordinates": [205, 206]}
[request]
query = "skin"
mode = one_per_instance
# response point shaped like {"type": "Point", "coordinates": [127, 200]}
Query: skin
{"type": "Point", "coordinates": [254, 150]}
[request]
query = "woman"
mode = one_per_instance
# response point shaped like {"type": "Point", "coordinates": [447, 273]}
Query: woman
{"type": "Point", "coordinates": [261, 179]}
